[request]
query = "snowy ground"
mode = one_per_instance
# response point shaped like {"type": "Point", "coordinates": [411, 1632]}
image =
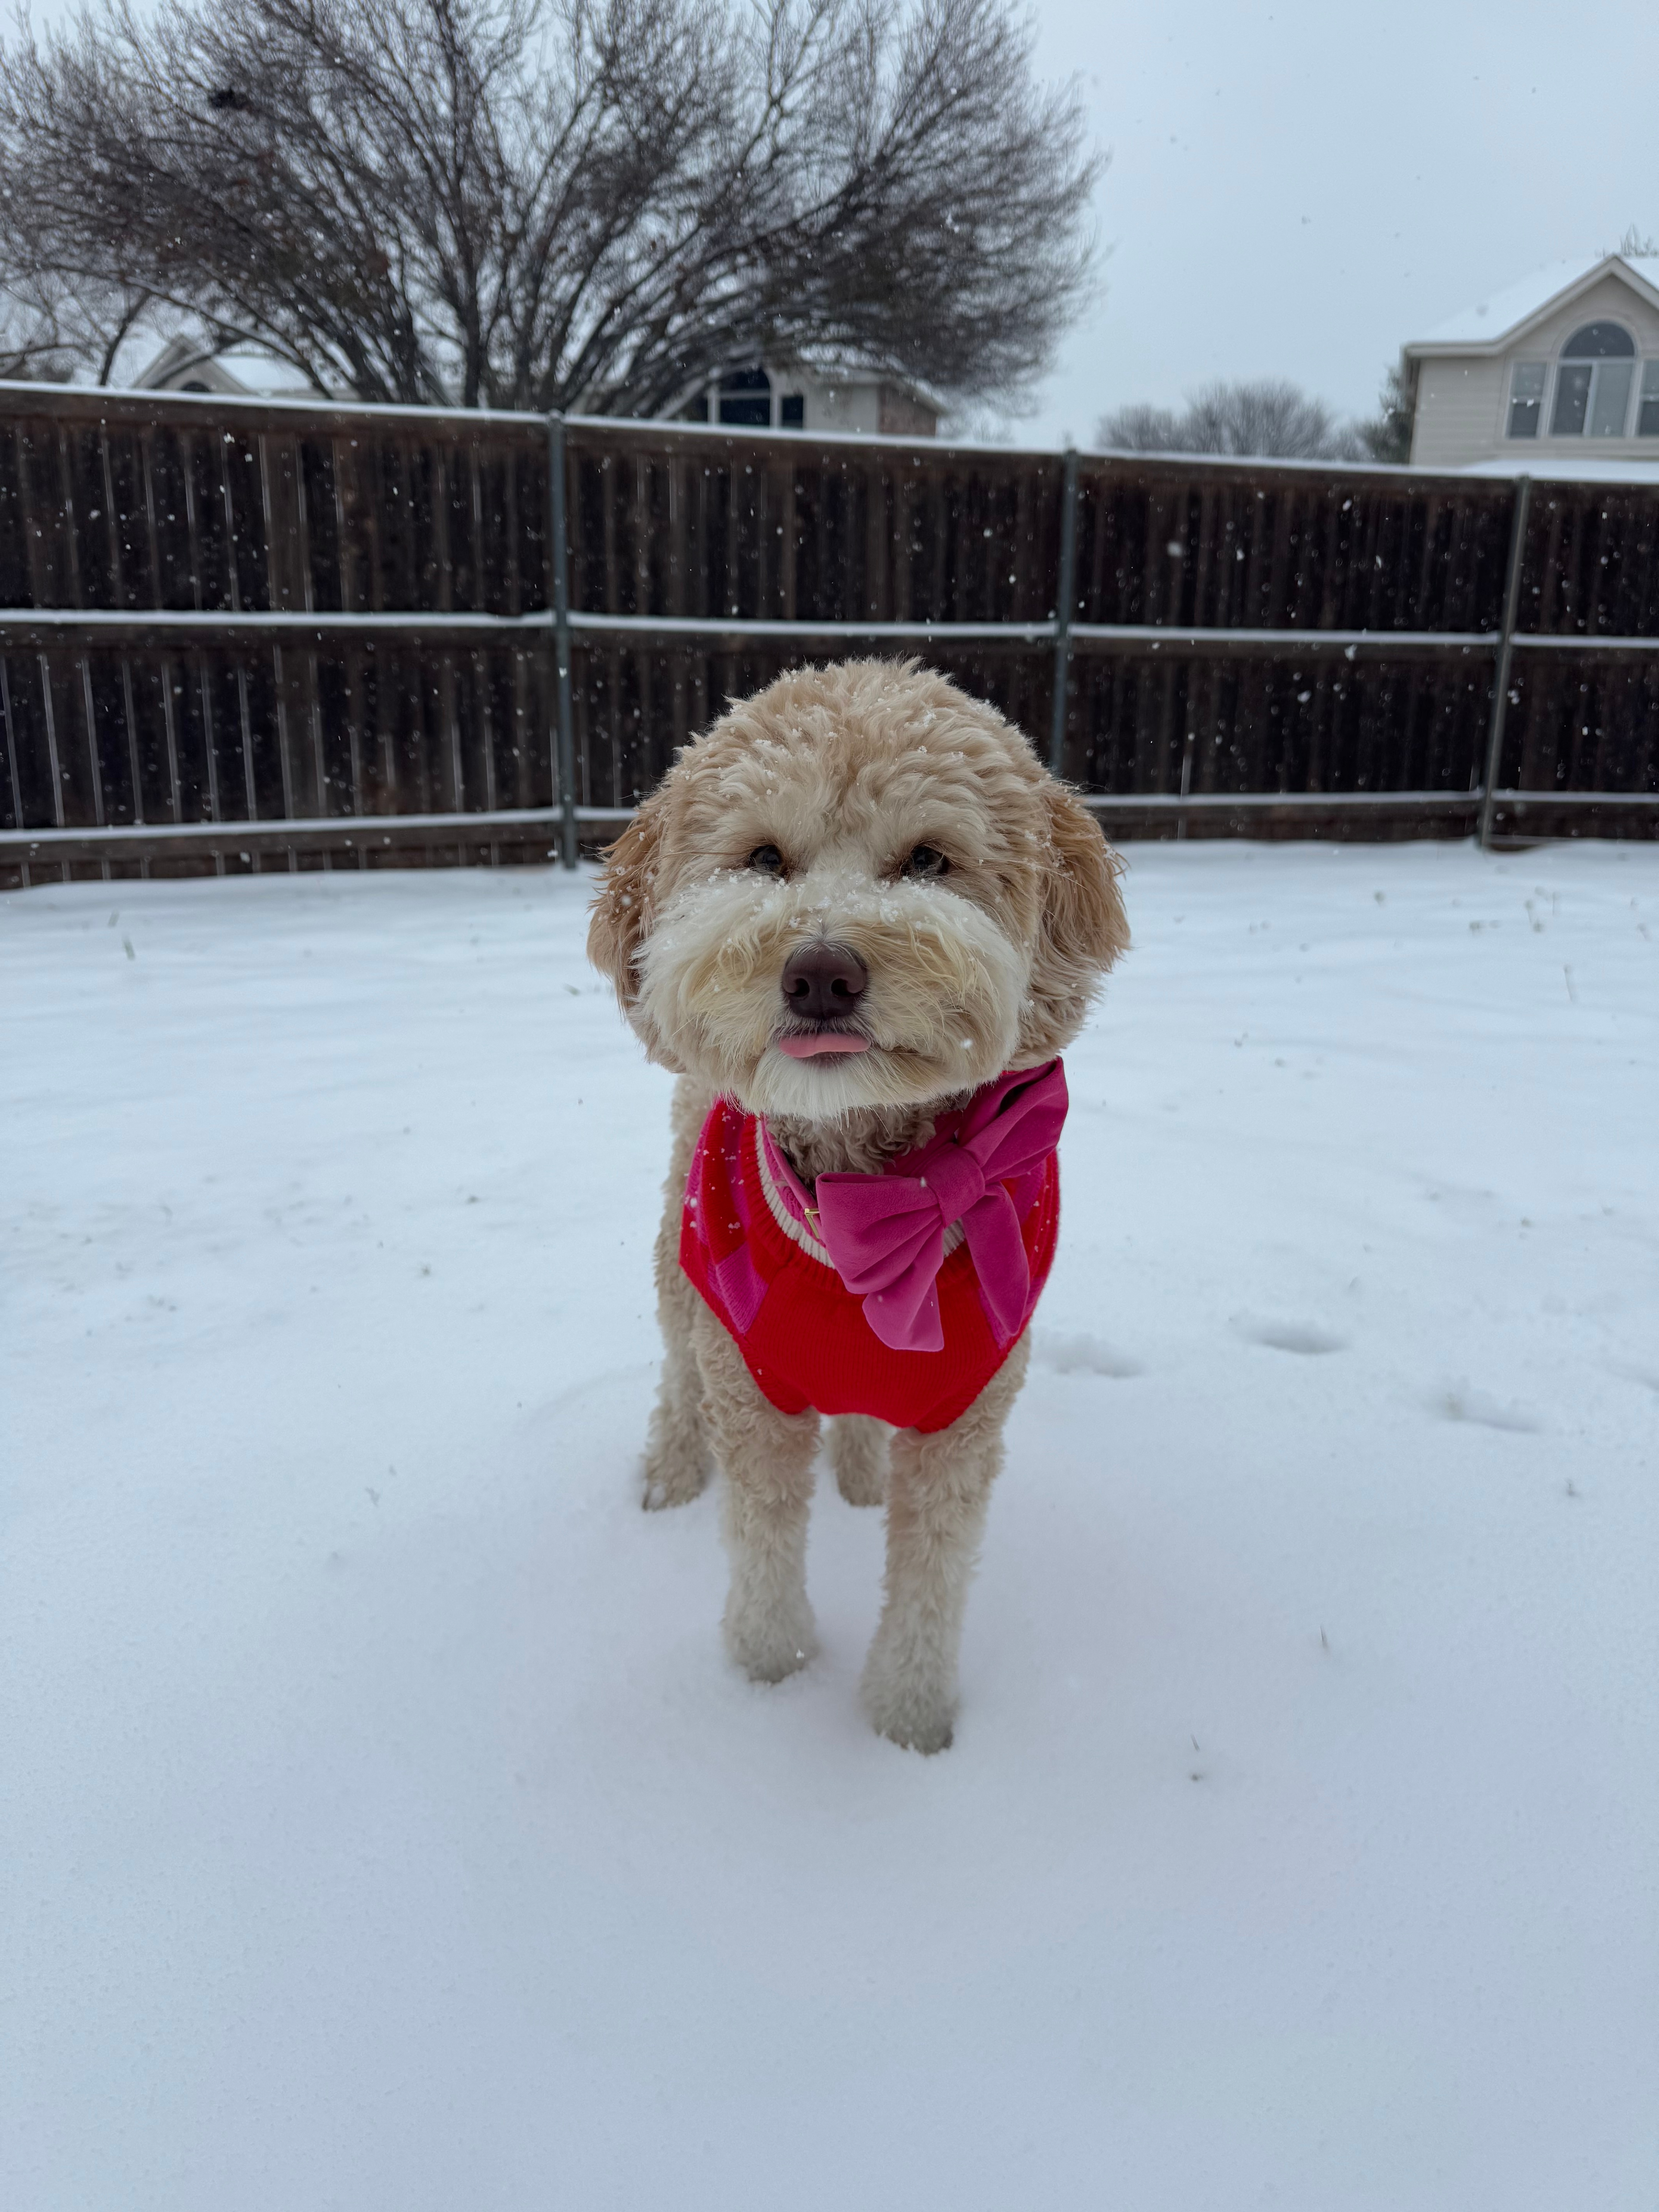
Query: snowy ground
{"type": "Point", "coordinates": [381, 1825]}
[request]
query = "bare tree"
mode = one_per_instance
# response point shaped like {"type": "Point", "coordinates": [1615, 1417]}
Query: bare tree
{"type": "Point", "coordinates": [556, 203]}
{"type": "Point", "coordinates": [1272, 418]}
{"type": "Point", "coordinates": [1142, 429]}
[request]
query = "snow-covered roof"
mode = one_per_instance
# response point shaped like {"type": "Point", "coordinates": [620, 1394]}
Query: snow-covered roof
{"type": "Point", "coordinates": [832, 367]}
{"type": "Point", "coordinates": [242, 368]}
{"type": "Point", "coordinates": [1563, 468]}
{"type": "Point", "coordinates": [265, 373]}
{"type": "Point", "coordinates": [1490, 322]}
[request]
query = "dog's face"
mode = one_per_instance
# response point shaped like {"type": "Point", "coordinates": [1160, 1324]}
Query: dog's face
{"type": "Point", "coordinates": [859, 888]}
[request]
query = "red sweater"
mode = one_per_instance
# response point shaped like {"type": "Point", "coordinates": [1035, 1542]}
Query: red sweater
{"type": "Point", "coordinates": [803, 1334]}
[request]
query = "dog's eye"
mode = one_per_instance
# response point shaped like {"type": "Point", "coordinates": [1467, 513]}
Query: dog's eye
{"type": "Point", "coordinates": [766, 860]}
{"type": "Point", "coordinates": [926, 861]}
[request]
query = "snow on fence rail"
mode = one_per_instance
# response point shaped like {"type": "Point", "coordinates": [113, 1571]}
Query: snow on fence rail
{"type": "Point", "coordinates": [245, 634]}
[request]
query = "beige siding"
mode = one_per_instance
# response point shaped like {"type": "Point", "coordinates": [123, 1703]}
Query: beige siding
{"type": "Point", "coordinates": [1458, 410]}
{"type": "Point", "coordinates": [900, 416]}
{"type": "Point", "coordinates": [844, 406]}
{"type": "Point", "coordinates": [1462, 398]}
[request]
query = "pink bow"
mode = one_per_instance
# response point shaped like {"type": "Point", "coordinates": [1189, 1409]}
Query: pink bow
{"type": "Point", "coordinates": [886, 1233]}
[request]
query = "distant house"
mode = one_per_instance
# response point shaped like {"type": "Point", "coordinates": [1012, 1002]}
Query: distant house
{"type": "Point", "coordinates": [824, 396]}
{"type": "Point", "coordinates": [1563, 366]}
{"type": "Point", "coordinates": [182, 366]}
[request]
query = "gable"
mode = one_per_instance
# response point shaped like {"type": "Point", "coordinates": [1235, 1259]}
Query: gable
{"type": "Point", "coordinates": [1545, 309]}
{"type": "Point", "coordinates": [1610, 300]}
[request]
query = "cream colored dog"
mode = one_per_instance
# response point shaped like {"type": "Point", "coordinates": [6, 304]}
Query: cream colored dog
{"type": "Point", "coordinates": [952, 909]}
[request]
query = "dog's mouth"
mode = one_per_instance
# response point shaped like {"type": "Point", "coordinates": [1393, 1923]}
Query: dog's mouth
{"type": "Point", "coordinates": [822, 1038]}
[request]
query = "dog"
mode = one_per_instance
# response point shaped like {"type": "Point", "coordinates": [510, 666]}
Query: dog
{"type": "Point", "coordinates": [860, 922]}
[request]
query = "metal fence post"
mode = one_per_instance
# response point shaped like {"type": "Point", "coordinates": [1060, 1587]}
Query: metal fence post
{"type": "Point", "coordinates": [1064, 610]}
{"type": "Point", "coordinates": [560, 555]}
{"type": "Point", "coordinates": [1500, 682]}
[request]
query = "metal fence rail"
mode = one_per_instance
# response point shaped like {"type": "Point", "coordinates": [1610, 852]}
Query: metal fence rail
{"type": "Point", "coordinates": [245, 635]}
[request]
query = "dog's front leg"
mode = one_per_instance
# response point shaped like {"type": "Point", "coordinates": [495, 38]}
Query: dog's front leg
{"type": "Point", "coordinates": [766, 1458]}
{"type": "Point", "coordinates": [676, 1461]}
{"type": "Point", "coordinates": [939, 1490]}
{"type": "Point", "coordinates": [676, 1457]}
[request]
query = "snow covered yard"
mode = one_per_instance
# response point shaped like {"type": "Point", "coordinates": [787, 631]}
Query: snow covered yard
{"type": "Point", "coordinates": [382, 1825]}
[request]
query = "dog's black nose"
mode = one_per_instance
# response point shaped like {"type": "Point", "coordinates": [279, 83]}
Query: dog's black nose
{"type": "Point", "coordinates": [822, 981]}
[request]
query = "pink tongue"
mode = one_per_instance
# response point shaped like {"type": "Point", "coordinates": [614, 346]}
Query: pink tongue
{"type": "Point", "coordinates": [809, 1047]}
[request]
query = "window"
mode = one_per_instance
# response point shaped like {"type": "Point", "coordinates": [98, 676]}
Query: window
{"type": "Point", "coordinates": [1592, 385]}
{"type": "Point", "coordinates": [1599, 342]}
{"type": "Point", "coordinates": [1526, 398]}
{"type": "Point", "coordinates": [746, 398]}
{"type": "Point", "coordinates": [1572, 384]}
{"type": "Point", "coordinates": [792, 411]}
{"type": "Point", "coordinates": [1610, 398]}
{"type": "Point", "coordinates": [1647, 415]}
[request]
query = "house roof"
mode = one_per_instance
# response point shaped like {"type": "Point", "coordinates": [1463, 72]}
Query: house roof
{"type": "Point", "coordinates": [237, 368]}
{"type": "Point", "coordinates": [265, 373]}
{"type": "Point", "coordinates": [1503, 316]}
{"type": "Point", "coordinates": [1565, 468]}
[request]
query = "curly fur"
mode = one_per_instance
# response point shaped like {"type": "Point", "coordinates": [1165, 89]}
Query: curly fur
{"type": "Point", "coordinates": [992, 964]}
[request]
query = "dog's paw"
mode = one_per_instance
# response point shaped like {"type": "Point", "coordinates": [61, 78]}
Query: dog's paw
{"type": "Point", "coordinates": [917, 1716]}
{"type": "Point", "coordinates": [926, 1732]}
{"type": "Point", "coordinates": [858, 1453]}
{"type": "Point", "coordinates": [669, 1482]}
{"type": "Point", "coordinates": [677, 1464]}
{"type": "Point", "coordinates": [768, 1648]}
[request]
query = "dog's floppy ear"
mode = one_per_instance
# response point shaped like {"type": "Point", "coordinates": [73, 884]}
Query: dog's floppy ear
{"type": "Point", "coordinates": [624, 903]}
{"type": "Point", "coordinates": [1084, 927]}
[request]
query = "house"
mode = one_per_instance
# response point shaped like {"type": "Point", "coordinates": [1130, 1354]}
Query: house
{"type": "Point", "coordinates": [825, 395]}
{"type": "Point", "coordinates": [1562, 369]}
{"type": "Point", "coordinates": [182, 366]}
{"type": "Point", "coordinates": [822, 395]}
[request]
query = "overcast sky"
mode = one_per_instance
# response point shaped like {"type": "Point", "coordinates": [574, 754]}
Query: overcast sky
{"type": "Point", "coordinates": [1296, 191]}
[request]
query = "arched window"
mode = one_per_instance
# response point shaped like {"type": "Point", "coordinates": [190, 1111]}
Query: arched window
{"type": "Point", "coordinates": [746, 397]}
{"type": "Point", "coordinates": [1593, 384]}
{"type": "Point", "coordinates": [1599, 342]}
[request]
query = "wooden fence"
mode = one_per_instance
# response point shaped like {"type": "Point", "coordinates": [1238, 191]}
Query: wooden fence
{"type": "Point", "coordinates": [244, 634]}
